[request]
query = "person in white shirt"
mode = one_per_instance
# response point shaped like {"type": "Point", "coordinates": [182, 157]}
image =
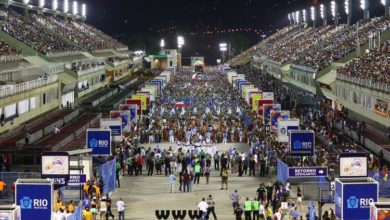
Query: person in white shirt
{"type": "Point", "coordinates": [203, 208]}
{"type": "Point", "coordinates": [121, 209]}
{"type": "Point", "coordinates": [278, 214]}
{"type": "Point", "coordinates": [56, 130]}
{"type": "Point", "coordinates": [60, 215]}
{"type": "Point", "coordinates": [261, 211]}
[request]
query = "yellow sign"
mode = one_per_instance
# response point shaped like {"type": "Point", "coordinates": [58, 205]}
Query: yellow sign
{"type": "Point", "coordinates": [255, 102]}
{"type": "Point", "coordinates": [143, 100]}
{"type": "Point", "coordinates": [244, 88]}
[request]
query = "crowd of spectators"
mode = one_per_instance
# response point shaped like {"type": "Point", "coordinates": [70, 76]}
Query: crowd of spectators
{"type": "Point", "coordinates": [339, 42]}
{"type": "Point", "coordinates": [7, 51]}
{"type": "Point", "coordinates": [84, 35]}
{"type": "Point", "coordinates": [31, 33]}
{"type": "Point", "coordinates": [302, 41]}
{"type": "Point", "coordinates": [116, 59]}
{"type": "Point", "coordinates": [81, 66]}
{"type": "Point", "coordinates": [372, 66]}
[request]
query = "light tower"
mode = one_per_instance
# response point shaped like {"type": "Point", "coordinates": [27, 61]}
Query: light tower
{"type": "Point", "coordinates": [84, 10]}
{"type": "Point", "coordinates": [348, 11]}
{"type": "Point", "coordinates": [75, 8]}
{"type": "Point", "coordinates": [304, 17]}
{"type": "Point", "coordinates": [55, 5]}
{"type": "Point", "coordinates": [66, 6]}
{"type": "Point", "coordinates": [298, 18]}
{"type": "Point", "coordinates": [313, 15]}
{"type": "Point", "coordinates": [323, 14]}
{"type": "Point", "coordinates": [385, 3]}
{"type": "Point", "coordinates": [364, 5]}
{"type": "Point", "coordinates": [290, 18]}
{"type": "Point", "coordinates": [334, 12]}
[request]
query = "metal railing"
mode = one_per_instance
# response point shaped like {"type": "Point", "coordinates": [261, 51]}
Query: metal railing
{"type": "Point", "coordinates": [10, 58]}
{"type": "Point", "coordinates": [90, 70]}
{"type": "Point", "coordinates": [8, 90]}
{"type": "Point", "coordinates": [62, 54]}
{"type": "Point", "coordinates": [365, 82]}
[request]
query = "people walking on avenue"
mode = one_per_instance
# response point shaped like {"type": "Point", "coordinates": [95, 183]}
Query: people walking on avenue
{"type": "Point", "coordinates": [121, 209]}
{"type": "Point", "coordinates": [172, 179]}
{"type": "Point", "coordinates": [255, 209]}
{"type": "Point", "coordinates": [238, 212]}
{"type": "Point", "coordinates": [224, 177]}
{"type": "Point", "coordinates": [203, 209]}
{"type": "Point", "coordinates": [248, 209]}
{"type": "Point", "coordinates": [235, 197]}
{"type": "Point", "coordinates": [211, 207]}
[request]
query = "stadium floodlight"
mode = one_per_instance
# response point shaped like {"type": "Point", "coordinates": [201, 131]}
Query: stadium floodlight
{"type": "Point", "coordinates": [297, 15]}
{"type": "Point", "coordinates": [363, 4]}
{"type": "Point", "coordinates": [304, 15]}
{"type": "Point", "coordinates": [346, 4]}
{"type": "Point", "coordinates": [313, 13]}
{"type": "Point", "coordinates": [75, 8]}
{"type": "Point", "coordinates": [223, 47]}
{"type": "Point", "coordinates": [289, 17]}
{"type": "Point", "coordinates": [41, 3]}
{"type": "Point", "coordinates": [322, 11]}
{"type": "Point", "coordinates": [55, 5]}
{"type": "Point", "coordinates": [66, 6]}
{"type": "Point", "coordinates": [162, 43]}
{"type": "Point", "coordinates": [180, 41]}
{"type": "Point", "coordinates": [84, 10]}
{"type": "Point", "coordinates": [333, 8]}
{"type": "Point", "coordinates": [383, 2]}
{"type": "Point", "coordinates": [26, 2]}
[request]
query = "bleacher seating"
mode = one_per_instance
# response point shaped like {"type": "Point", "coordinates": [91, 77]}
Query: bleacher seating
{"type": "Point", "coordinates": [32, 33]}
{"type": "Point", "coordinates": [69, 131]}
{"type": "Point", "coordinates": [18, 136]}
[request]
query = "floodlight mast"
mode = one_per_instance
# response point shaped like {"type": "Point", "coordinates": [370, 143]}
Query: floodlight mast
{"type": "Point", "coordinates": [365, 6]}
{"type": "Point", "coordinates": [348, 11]}
{"type": "Point", "coordinates": [385, 3]}
{"type": "Point", "coordinates": [334, 12]}
{"type": "Point", "coordinates": [323, 14]}
{"type": "Point", "coordinates": [313, 15]}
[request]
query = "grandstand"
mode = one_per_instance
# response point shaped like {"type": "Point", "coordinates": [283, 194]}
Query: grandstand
{"type": "Point", "coordinates": [50, 63]}
{"type": "Point", "coordinates": [346, 65]}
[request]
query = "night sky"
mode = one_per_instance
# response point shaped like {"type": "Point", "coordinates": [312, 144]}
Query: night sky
{"type": "Point", "coordinates": [203, 23]}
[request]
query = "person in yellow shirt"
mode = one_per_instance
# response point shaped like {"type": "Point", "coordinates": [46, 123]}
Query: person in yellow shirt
{"type": "Point", "coordinates": [87, 214]}
{"type": "Point", "coordinates": [2, 187]}
{"type": "Point", "coordinates": [71, 207]}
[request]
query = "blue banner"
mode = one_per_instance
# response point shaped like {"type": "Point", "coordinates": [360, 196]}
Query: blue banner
{"type": "Point", "coordinates": [108, 172]}
{"type": "Point", "coordinates": [282, 172]}
{"type": "Point", "coordinates": [116, 130]}
{"type": "Point", "coordinates": [35, 200]}
{"type": "Point", "coordinates": [302, 143]}
{"type": "Point", "coordinates": [99, 140]}
{"type": "Point", "coordinates": [357, 198]}
{"type": "Point", "coordinates": [307, 171]}
{"type": "Point", "coordinates": [78, 213]}
{"type": "Point", "coordinates": [338, 198]}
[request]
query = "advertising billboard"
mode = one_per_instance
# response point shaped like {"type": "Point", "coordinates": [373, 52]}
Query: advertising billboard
{"type": "Point", "coordinates": [284, 126]}
{"type": "Point", "coordinates": [135, 102]}
{"type": "Point", "coordinates": [143, 101]}
{"type": "Point", "coordinates": [268, 108]}
{"type": "Point", "coordinates": [356, 200]}
{"type": "Point", "coordinates": [55, 165]}
{"type": "Point", "coordinates": [260, 105]}
{"type": "Point", "coordinates": [302, 142]}
{"type": "Point", "coordinates": [35, 200]}
{"type": "Point", "coordinates": [353, 165]}
{"type": "Point", "coordinates": [99, 140]}
{"type": "Point", "coordinates": [278, 115]}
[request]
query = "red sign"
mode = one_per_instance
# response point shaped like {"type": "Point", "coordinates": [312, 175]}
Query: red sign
{"type": "Point", "coordinates": [135, 102]}
{"type": "Point", "coordinates": [261, 105]}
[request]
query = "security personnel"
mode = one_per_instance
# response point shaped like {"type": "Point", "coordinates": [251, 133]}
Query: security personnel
{"type": "Point", "coordinates": [255, 209]}
{"type": "Point", "coordinates": [247, 209]}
